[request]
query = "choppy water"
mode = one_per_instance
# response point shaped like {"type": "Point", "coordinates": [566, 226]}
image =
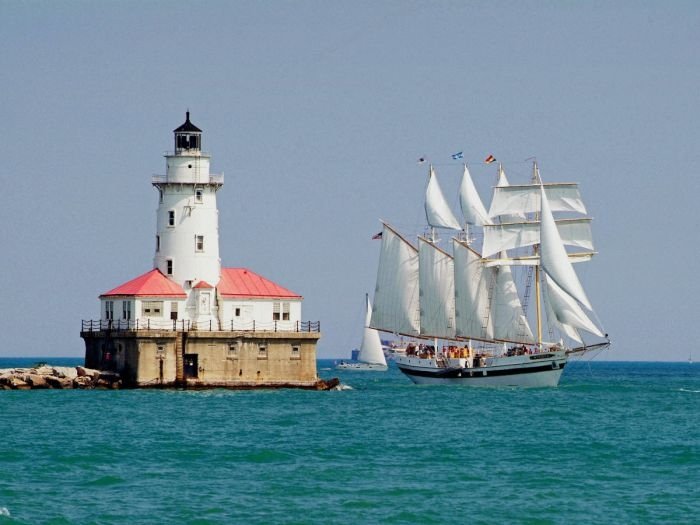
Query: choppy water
{"type": "Point", "coordinates": [615, 443]}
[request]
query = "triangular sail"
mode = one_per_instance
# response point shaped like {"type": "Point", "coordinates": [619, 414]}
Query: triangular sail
{"type": "Point", "coordinates": [396, 293]}
{"type": "Point", "coordinates": [567, 311]}
{"type": "Point", "coordinates": [371, 348]}
{"type": "Point", "coordinates": [473, 209]}
{"type": "Point", "coordinates": [511, 235]}
{"type": "Point", "coordinates": [437, 211]}
{"type": "Point", "coordinates": [519, 200]}
{"type": "Point", "coordinates": [553, 256]}
{"type": "Point", "coordinates": [509, 321]}
{"type": "Point", "coordinates": [473, 284]}
{"type": "Point", "coordinates": [436, 285]}
{"type": "Point", "coordinates": [553, 322]}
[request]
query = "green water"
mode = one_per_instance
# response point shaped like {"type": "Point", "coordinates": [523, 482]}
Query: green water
{"type": "Point", "coordinates": [615, 443]}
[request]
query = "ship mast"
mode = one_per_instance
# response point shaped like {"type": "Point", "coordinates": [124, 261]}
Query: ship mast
{"type": "Point", "coordinates": [538, 301]}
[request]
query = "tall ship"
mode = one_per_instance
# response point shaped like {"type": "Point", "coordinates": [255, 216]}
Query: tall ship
{"type": "Point", "coordinates": [465, 302]}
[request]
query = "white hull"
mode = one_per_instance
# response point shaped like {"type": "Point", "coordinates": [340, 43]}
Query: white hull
{"type": "Point", "coordinates": [529, 371]}
{"type": "Point", "coordinates": [362, 367]}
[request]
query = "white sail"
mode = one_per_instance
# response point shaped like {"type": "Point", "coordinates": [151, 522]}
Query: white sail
{"type": "Point", "coordinates": [436, 286]}
{"type": "Point", "coordinates": [371, 348]}
{"type": "Point", "coordinates": [553, 256]}
{"type": "Point", "coordinates": [437, 211]}
{"type": "Point", "coordinates": [473, 283]}
{"type": "Point", "coordinates": [507, 236]}
{"type": "Point", "coordinates": [509, 321]}
{"type": "Point", "coordinates": [567, 311]}
{"type": "Point", "coordinates": [502, 182]}
{"type": "Point", "coordinates": [473, 209]}
{"type": "Point", "coordinates": [396, 292]}
{"type": "Point", "coordinates": [553, 322]}
{"type": "Point", "coordinates": [518, 200]}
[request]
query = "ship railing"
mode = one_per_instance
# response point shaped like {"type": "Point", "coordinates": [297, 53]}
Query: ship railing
{"type": "Point", "coordinates": [183, 325]}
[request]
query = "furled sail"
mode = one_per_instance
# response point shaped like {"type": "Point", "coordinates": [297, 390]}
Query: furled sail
{"type": "Point", "coordinates": [436, 286]}
{"type": "Point", "coordinates": [371, 347]}
{"type": "Point", "coordinates": [396, 293]}
{"type": "Point", "coordinates": [473, 283]}
{"type": "Point", "coordinates": [567, 311]}
{"type": "Point", "coordinates": [553, 256]}
{"type": "Point", "coordinates": [473, 209]}
{"type": "Point", "coordinates": [437, 211]}
{"type": "Point", "coordinates": [509, 321]}
{"type": "Point", "coordinates": [507, 236]}
{"type": "Point", "coordinates": [518, 200]}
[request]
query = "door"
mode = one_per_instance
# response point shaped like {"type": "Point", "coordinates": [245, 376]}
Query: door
{"type": "Point", "coordinates": [191, 366]}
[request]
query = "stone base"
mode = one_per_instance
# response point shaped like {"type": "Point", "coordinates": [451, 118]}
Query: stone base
{"type": "Point", "coordinates": [203, 359]}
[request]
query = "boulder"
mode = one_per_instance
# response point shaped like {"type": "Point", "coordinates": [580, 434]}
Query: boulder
{"type": "Point", "coordinates": [87, 372]}
{"type": "Point", "coordinates": [69, 372]}
{"type": "Point", "coordinates": [82, 382]}
{"type": "Point", "coordinates": [59, 382]}
{"type": "Point", "coordinates": [17, 384]}
{"type": "Point", "coordinates": [36, 381]}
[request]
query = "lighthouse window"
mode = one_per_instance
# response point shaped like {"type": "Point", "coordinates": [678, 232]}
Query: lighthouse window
{"type": "Point", "coordinates": [280, 311]}
{"type": "Point", "coordinates": [198, 194]}
{"type": "Point", "coordinates": [157, 243]}
{"type": "Point", "coordinates": [152, 308]}
{"type": "Point", "coordinates": [169, 267]}
{"type": "Point", "coordinates": [199, 243]}
{"type": "Point", "coordinates": [171, 218]}
{"type": "Point", "coordinates": [109, 310]}
{"type": "Point", "coordinates": [126, 310]}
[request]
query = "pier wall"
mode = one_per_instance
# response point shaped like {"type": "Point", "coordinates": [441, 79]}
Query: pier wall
{"type": "Point", "coordinates": [200, 359]}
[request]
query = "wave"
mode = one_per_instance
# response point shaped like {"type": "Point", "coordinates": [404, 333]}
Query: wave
{"type": "Point", "coordinates": [689, 390]}
{"type": "Point", "coordinates": [4, 512]}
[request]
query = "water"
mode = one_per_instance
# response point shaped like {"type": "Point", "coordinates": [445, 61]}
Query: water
{"type": "Point", "coordinates": [615, 443]}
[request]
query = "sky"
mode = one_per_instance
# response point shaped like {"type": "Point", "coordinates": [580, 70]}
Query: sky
{"type": "Point", "coordinates": [316, 112]}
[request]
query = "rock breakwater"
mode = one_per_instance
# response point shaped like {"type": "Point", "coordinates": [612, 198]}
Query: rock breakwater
{"type": "Point", "coordinates": [57, 377]}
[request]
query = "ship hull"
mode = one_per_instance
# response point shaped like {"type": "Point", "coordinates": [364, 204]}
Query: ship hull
{"type": "Point", "coordinates": [362, 367]}
{"type": "Point", "coordinates": [528, 371]}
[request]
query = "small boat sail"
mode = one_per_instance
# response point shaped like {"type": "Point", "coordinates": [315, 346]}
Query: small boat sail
{"type": "Point", "coordinates": [467, 318]}
{"type": "Point", "coordinates": [371, 355]}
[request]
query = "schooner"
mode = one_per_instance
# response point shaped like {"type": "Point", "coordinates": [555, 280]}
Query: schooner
{"type": "Point", "coordinates": [460, 304]}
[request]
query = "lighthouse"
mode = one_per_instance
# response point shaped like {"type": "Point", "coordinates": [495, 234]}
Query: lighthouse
{"type": "Point", "coordinates": [187, 223]}
{"type": "Point", "coordinates": [188, 320]}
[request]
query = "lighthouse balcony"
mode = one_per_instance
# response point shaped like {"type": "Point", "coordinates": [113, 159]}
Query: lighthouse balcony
{"type": "Point", "coordinates": [212, 179]}
{"type": "Point", "coordinates": [184, 325]}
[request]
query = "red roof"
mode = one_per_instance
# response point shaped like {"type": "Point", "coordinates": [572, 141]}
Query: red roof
{"type": "Point", "coordinates": [202, 284]}
{"type": "Point", "coordinates": [150, 284]}
{"type": "Point", "coordinates": [241, 282]}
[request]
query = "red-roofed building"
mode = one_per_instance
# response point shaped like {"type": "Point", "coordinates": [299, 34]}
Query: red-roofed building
{"type": "Point", "coordinates": [151, 284]}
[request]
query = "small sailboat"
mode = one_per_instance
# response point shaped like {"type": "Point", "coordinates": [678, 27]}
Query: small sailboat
{"type": "Point", "coordinates": [371, 355]}
{"type": "Point", "coordinates": [468, 299]}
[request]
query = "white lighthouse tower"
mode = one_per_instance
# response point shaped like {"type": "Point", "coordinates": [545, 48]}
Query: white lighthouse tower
{"type": "Point", "coordinates": [187, 226]}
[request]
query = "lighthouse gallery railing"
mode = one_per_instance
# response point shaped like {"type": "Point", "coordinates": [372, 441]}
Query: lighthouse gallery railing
{"type": "Point", "coordinates": [183, 325]}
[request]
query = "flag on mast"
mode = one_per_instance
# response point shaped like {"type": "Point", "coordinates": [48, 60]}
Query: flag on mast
{"type": "Point", "coordinates": [490, 159]}
{"type": "Point", "coordinates": [458, 155]}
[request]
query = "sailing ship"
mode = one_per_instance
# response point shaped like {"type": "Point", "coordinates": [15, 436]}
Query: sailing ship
{"type": "Point", "coordinates": [371, 355]}
{"type": "Point", "coordinates": [461, 304]}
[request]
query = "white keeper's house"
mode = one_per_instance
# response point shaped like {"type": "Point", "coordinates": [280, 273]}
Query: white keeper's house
{"type": "Point", "coordinates": [188, 321]}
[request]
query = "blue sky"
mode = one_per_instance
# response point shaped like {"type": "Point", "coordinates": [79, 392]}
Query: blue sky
{"type": "Point", "coordinates": [316, 112]}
